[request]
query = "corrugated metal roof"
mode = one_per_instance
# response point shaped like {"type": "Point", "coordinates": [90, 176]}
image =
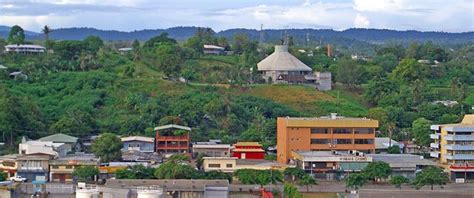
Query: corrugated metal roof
{"type": "Point", "coordinates": [282, 60]}
{"type": "Point", "coordinates": [138, 138]}
{"type": "Point", "coordinates": [59, 137]}
{"type": "Point", "coordinates": [170, 126]}
{"type": "Point", "coordinates": [247, 144]}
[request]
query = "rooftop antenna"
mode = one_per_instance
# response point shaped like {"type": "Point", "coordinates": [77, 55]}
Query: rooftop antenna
{"type": "Point", "coordinates": [262, 35]}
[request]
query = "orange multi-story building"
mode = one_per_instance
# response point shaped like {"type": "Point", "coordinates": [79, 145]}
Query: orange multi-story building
{"type": "Point", "coordinates": [172, 139]}
{"type": "Point", "coordinates": [330, 133]}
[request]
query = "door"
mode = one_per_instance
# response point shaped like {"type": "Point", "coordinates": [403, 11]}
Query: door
{"type": "Point", "coordinates": [62, 178]}
{"type": "Point", "coordinates": [242, 155]}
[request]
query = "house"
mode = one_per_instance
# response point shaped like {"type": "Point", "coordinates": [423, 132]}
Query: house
{"type": "Point", "coordinates": [283, 67]}
{"type": "Point", "coordinates": [327, 133]}
{"type": "Point", "coordinates": [72, 143]}
{"type": "Point", "coordinates": [330, 165]}
{"type": "Point", "coordinates": [125, 50]}
{"type": "Point", "coordinates": [172, 139]}
{"type": "Point", "coordinates": [213, 49]}
{"type": "Point", "coordinates": [25, 49]}
{"type": "Point", "coordinates": [61, 168]}
{"type": "Point", "coordinates": [411, 148]}
{"type": "Point", "coordinates": [38, 147]}
{"type": "Point", "coordinates": [248, 150]}
{"type": "Point", "coordinates": [211, 149]}
{"type": "Point", "coordinates": [406, 165]}
{"type": "Point", "coordinates": [8, 164]}
{"type": "Point", "coordinates": [231, 164]}
{"type": "Point", "coordinates": [383, 143]}
{"type": "Point", "coordinates": [138, 143]}
{"type": "Point", "coordinates": [137, 156]}
{"type": "Point", "coordinates": [453, 146]}
{"type": "Point", "coordinates": [34, 167]}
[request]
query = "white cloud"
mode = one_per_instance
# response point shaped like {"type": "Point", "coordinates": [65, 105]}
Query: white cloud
{"type": "Point", "coordinates": [437, 15]}
{"type": "Point", "coordinates": [361, 21]}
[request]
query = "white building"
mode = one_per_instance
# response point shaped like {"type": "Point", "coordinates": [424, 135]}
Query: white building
{"type": "Point", "coordinates": [213, 49]}
{"type": "Point", "coordinates": [25, 49]}
{"type": "Point", "coordinates": [38, 147]}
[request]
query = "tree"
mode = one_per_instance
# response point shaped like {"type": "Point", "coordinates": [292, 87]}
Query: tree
{"type": "Point", "coordinates": [85, 173]}
{"type": "Point", "coordinates": [179, 158]}
{"type": "Point", "coordinates": [430, 176]}
{"type": "Point", "coordinates": [395, 149]}
{"type": "Point", "coordinates": [399, 180]}
{"type": "Point", "coordinates": [262, 177]}
{"type": "Point", "coordinates": [377, 170]}
{"type": "Point", "coordinates": [168, 59]}
{"type": "Point", "coordinates": [46, 30]}
{"type": "Point", "coordinates": [212, 175]}
{"type": "Point", "coordinates": [356, 180]}
{"type": "Point", "coordinates": [3, 176]}
{"type": "Point", "coordinates": [75, 123]}
{"type": "Point", "coordinates": [108, 147]}
{"type": "Point", "coordinates": [200, 160]}
{"type": "Point", "coordinates": [173, 170]}
{"type": "Point", "coordinates": [136, 172]}
{"type": "Point", "coordinates": [93, 44]}
{"type": "Point", "coordinates": [294, 173]}
{"type": "Point", "coordinates": [409, 70]}
{"type": "Point", "coordinates": [420, 131]}
{"type": "Point", "coordinates": [16, 35]}
{"type": "Point", "coordinates": [291, 191]}
{"type": "Point", "coordinates": [307, 180]}
{"type": "Point", "coordinates": [349, 73]}
{"type": "Point", "coordinates": [379, 88]}
{"type": "Point", "coordinates": [136, 50]}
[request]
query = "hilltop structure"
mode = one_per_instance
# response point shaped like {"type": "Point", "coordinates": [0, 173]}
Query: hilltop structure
{"type": "Point", "coordinates": [283, 67]}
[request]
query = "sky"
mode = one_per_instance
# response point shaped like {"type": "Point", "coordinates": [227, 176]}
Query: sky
{"type": "Point", "coordinates": [129, 15]}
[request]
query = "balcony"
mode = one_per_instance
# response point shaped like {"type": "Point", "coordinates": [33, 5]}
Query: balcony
{"type": "Point", "coordinates": [459, 147]}
{"type": "Point", "coordinates": [459, 156]}
{"type": "Point", "coordinates": [459, 137]}
{"type": "Point", "coordinates": [434, 154]}
{"type": "Point", "coordinates": [434, 145]}
{"type": "Point", "coordinates": [434, 136]}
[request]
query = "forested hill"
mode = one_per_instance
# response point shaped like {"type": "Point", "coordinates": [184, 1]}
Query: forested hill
{"type": "Point", "coordinates": [271, 35]}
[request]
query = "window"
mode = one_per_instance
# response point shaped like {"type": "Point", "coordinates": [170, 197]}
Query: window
{"type": "Point", "coordinates": [363, 131]}
{"type": "Point", "coordinates": [228, 165]}
{"type": "Point", "coordinates": [319, 141]}
{"type": "Point", "coordinates": [68, 167]}
{"type": "Point", "coordinates": [319, 130]}
{"type": "Point", "coordinates": [55, 167]}
{"type": "Point", "coordinates": [343, 141]}
{"type": "Point", "coordinates": [342, 131]}
{"type": "Point", "coordinates": [214, 165]}
{"type": "Point", "coordinates": [363, 141]}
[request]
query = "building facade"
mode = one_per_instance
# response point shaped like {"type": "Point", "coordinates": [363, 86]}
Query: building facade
{"type": "Point", "coordinates": [231, 164]}
{"type": "Point", "coordinates": [39, 147]}
{"type": "Point", "coordinates": [332, 133]}
{"type": "Point", "coordinates": [8, 164]}
{"type": "Point", "coordinates": [138, 143]}
{"type": "Point", "coordinates": [406, 165]}
{"type": "Point", "coordinates": [330, 165]}
{"type": "Point", "coordinates": [34, 167]}
{"type": "Point", "coordinates": [211, 149]}
{"type": "Point", "coordinates": [248, 150]}
{"type": "Point", "coordinates": [453, 145]}
{"type": "Point", "coordinates": [61, 169]}
{"type": "Point", "coordinates": [172, 139]}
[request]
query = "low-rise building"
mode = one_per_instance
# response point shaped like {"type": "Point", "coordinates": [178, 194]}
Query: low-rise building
{"type": "Point", "coordinates": [383, 143]}
{"type": "Point", "coordinates": [8, 164]}
{"type": "Point", "coordinates": [61, 168]}
{"type": "Point", "coordinates": [330, 165]}
{"type": "Point", "coordinates": [211, 149]}
{"type": "Point", "coordinates": [406, 165]}
{"type": "Point", "coordinates": [454, 147]}
{"type": "Point", "coordinates": [25, 49]}
{"type": "Point", "coordinates": [213, 49]}
{"type": "Point", "coordinates": [39, 147]}
{"type": "Point", "coordinates": [34, 167]}
{"type": "Point", "coordinates": [231, 164]}
{"type": "Point", "coordinates": [137, 156]}
{"type": "Point", "coordinates": [248, 150]}
{"type": "Point", "coordinates": [138, 143]}
{"type": "Point", "coordinates": [72, 143]}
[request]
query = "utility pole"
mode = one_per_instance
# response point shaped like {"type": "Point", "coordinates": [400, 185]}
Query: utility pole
{"type": "Point", "coordinates": [262, 35]}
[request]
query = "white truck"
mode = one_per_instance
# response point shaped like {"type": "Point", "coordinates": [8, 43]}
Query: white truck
{"type": "Point", "coordinates": [18, 179]}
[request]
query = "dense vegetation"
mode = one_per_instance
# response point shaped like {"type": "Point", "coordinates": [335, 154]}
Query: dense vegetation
{"type": "Point", "coordinates": [87, 87]}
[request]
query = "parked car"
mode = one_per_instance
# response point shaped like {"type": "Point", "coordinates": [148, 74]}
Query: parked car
{"type": "Point", "coordinates": [18, 179]}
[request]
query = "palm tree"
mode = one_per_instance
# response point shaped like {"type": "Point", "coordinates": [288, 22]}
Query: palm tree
{"type": "Point", "coordinates": [46, 30]}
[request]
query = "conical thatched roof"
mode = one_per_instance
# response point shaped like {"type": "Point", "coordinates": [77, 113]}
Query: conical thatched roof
{"type": "Point", "coordinates": [282, 60]}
